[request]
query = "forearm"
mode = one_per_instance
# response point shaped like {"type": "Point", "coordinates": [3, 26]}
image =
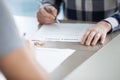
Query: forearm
{"type": "Point", "coordinates": [16, 62]}
{"type": "Point", "coordinates": [21, 65]}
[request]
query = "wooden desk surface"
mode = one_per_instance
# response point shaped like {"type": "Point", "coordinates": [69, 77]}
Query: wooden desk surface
{"type": "Point", "coordinates": [82, 53]}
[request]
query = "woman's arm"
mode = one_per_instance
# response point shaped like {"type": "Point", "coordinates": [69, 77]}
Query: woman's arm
{"type": "Point", "coordinates": [16, 62]}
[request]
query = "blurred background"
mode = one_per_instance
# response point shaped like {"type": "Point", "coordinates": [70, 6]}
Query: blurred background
{"type": "Point", "coordinates": [24, 13]}
{"type": "Point", "coordinates": [26, 8]}
{"type": "Point", "coordinates": [23, 7]}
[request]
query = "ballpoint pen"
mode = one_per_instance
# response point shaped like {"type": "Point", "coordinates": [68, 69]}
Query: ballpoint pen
{"type": "Point", "coordinates": [41, 5]}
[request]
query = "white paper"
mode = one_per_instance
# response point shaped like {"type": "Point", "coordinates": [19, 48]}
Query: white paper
{"type": "Point", "coordinates": [51, 58]}
{"type": "Point", "coordinates": [66, 32]}
{"type": "Point", "coordinates": [2, 77]}
{"type": "Point", "coordinates": [28, 25]}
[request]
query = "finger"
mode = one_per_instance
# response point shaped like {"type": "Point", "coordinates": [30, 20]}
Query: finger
{"type": "Point", "coordinates": [90, 38]}
{"type": "Point", "coordinates": [38, 17]}
{"type": "Point", "coordinates": [38, 43]}
{"type": "Point", "coordinates": [42, 19]}
{"type": "Point", "coordinates": [46, 14]}
{"type": "Point", "coordinates": [103, 38]}
{"type": "Point", "coordinates": [85, 37]}
{"type": "Point", "coordinates": [28, 44]}
{"type": "Point", "coordinates": [53, 10]}
{"type": "Point", "coordinates": [96, 38]}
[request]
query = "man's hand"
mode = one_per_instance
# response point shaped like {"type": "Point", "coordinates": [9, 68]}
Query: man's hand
{"type": "Point", "coordinates": [46, 15]}
{"type": "Point", "coordinates": [96, 33]}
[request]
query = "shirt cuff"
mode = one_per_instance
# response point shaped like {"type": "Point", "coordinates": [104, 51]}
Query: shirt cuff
{"type": "Point", "coordinates": [114, 23]}
{"type": "Point", "coordinates": [46, 4]}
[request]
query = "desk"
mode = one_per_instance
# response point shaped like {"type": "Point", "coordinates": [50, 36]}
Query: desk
{"type": "Point", "coordinates": [82, 54]}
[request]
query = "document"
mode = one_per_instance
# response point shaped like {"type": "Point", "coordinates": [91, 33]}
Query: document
{"type": "Point", "coordinates": [27, 25]}
{"type": "Point", "coordinates": [67, 32]}
{"type": "Point", "coordinates": [51, 58]}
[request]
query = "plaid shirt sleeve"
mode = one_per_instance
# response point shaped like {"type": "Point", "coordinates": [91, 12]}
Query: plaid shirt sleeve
{"type": "Point", "coordinates": [55, 3]}
{"type": "Point", "coordinates": [114, 20]}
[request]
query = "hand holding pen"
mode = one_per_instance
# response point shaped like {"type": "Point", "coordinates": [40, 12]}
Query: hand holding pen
{"type": "Point", "coordinates": [47, 14]}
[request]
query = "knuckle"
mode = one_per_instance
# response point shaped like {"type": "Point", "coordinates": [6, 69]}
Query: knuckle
{"type": "Point", "coordinates": [45, 16]}
{"type": "Point", "coordinates": [94, 32]}
{"type": "Point", "coordinates": [103, 34]}
{"type": "Point", "coordinates": [98, 33]}
{"type": "Point", "coordinates": [50, 7]}
{"type": "Point", "coordinates": [91, 35]}
{"type": "Point", "coordinates": [97, 36]}
{"type": "Point", "coordinates": [51, 18]}
{"type": "Point", "coordinates": [85, 34]}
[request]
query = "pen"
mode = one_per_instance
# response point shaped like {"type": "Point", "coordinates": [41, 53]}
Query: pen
{"type": "Point", "coordinates": [41, 5]}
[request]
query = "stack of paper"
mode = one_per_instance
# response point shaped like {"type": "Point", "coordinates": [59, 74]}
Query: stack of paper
{"type": "Point", "coordinates": [51, 58]}
{"type": "Point", "coordinates": [67, 32]}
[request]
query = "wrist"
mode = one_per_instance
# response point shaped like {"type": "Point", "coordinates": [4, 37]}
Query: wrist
{"type": "Point", "coordinates": [106, 25]}
{"type": "Point", "coordinates": [113, 21]}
